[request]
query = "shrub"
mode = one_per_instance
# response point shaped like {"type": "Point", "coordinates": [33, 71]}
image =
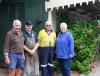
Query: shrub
{"type": "Point", "coordinates": [85, 49]}
{"type": "Point", "coordinates": [85, 36]}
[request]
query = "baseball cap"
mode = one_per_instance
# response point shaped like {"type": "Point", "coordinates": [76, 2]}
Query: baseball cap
{"type": "Point", "coordinates": [28, 23]}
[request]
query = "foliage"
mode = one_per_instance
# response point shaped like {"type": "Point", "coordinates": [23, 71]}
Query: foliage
{"type": "Point", "coordinates": [85, 36]}
{"type": "Point", "coordinates": [56, 67]}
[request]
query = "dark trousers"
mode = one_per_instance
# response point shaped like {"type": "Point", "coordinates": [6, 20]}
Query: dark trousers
{"type": "Point", "coordinates": [46, 61]}
{"type": "Point", "coordinates": [47, 71]}
{"type": "Point", "coordinates": [65, 66]}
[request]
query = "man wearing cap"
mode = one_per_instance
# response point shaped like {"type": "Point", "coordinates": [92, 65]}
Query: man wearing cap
{"type": "Point", "coordinates": [13, 49]}
{"type": "Point", "coordinates": [47, 38]}
{"type": "Point", "coordinates": [31, 67]}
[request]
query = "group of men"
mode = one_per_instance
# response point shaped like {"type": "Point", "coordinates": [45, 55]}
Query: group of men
{"type": "Point", "coordinates": [20, 50]}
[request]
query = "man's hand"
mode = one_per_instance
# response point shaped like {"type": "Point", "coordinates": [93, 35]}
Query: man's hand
{"type": "Point", "coordinates": [31, 52]}
{"type": "Point", "coordinates": [34, 49]}
{"type": "Point", "coordinates": [7, 61]}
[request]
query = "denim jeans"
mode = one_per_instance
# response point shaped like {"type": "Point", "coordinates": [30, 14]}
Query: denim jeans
{"type": "Point", "coordinates": [65, 66]}
{"type": "Point", "coordinates": [16, 60]}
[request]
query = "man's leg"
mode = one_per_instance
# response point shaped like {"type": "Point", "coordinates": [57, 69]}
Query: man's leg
{"type": "Point", "coordinates": [18, 72]}
{"type": "Point", "coordinates": [12, 65]}
{"type": "Point", "coordinates": [62, 68]}
{"type": "Point", "coordinates": [11, 72]}
{"type": "Point", "coordinates": [50, 70]}
{"type": "Point", "coordinates": [65, 66]}
{"type": "Point", "coordinates": [50, 62]}
{"type": "Point", "coordinates": [20, 65]}
{"type": "Point", "coordinates": [44, 60]}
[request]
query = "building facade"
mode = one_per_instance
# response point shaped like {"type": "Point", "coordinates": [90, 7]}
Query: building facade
{"type": "Point", "coordinates": [41, 10]}
{"type": "Point", "coordinates": [20, 9]}
{"type": "Point", "coordinates": [78, 10]}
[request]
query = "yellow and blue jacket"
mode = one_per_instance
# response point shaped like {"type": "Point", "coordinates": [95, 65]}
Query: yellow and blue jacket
{"type": "Point", "coordinates": [46, 40]}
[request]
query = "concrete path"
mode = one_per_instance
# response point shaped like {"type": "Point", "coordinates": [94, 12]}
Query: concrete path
{"type": "Point", "coordinates": [95, 71]}
{"type": "Point", "coordinates": [3, 72]}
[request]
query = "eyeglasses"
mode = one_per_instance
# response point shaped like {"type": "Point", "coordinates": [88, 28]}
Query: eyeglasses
{"type": "Point", "coordinates": [17, 25]}
{"type": "Point", "coordinates": [48, 25]}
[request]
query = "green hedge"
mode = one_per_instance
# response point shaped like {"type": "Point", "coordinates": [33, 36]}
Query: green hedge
{"type": "Point", "coordinates": [85, 36]}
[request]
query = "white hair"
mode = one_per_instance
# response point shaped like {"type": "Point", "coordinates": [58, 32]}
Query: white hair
{"type": "Point", "coordinates": [16, 22]}
{"type": "Point", "coordinates": [64, 25]}
{"type": "Point", "coordinates": [48, 23]}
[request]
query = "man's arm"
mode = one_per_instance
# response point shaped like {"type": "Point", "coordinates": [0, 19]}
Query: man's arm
{"type": "Point", "coordinates": [27, 49]}
{"type": "Point", "coordinates": [35, 48]}
{"type": "Point", "coordinates": [6, 48]}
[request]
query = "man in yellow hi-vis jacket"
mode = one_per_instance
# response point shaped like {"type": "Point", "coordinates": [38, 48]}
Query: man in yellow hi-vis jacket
{"type": "Point", "coordinates": [47, 38]}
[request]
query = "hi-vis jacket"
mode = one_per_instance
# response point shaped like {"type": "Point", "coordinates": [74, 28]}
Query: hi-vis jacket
{"type": "Point", "coordinates": [46, 40]}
